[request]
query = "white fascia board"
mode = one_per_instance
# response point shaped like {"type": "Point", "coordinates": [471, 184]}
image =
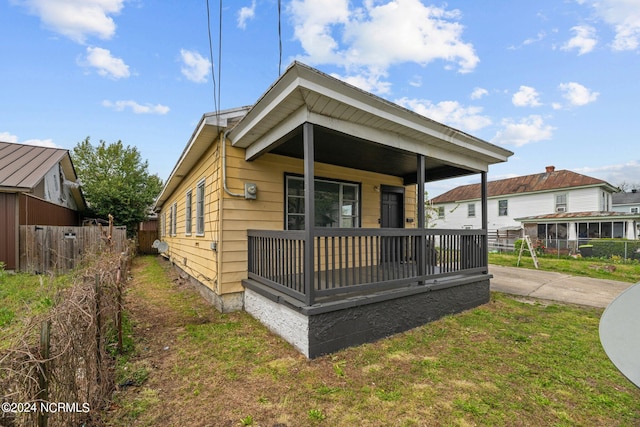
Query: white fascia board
{"type": "Point", "coordinates": [262, 109]}
{"type": "Point", "coordinates": [394, 140]}
{"type": "Point", "coordinates": [396, 114]}
{"type": "Point", "coordinates": [266, 142]}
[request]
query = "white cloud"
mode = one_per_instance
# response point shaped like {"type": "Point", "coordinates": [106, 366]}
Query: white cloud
{"type": "Point", "coordinates": [7, 137]}
{"type": "Point", "coordinates": [105, 64]}
{"type": "Point", "coordinates": [245, 14]}
{"type": "Point", "coordinates": [526, 97]}
{"type": "Point", "coordinates": [576, 94]}
{"type": "Point", "coordinates": [450, 113]}
{"type": "Point", "coordinates": [615, 174]}
{"type": "Point", "coordinates": [195, 67]}
{"type": "Point", "coordinates": [136, 108]}
{"type": "Point", "coordinates": [479, 93]}
{"type": "Point", "coordinates": [624, 17]}
{"type": "Point", "coordinates": [584, 39]}
{"type": "Point", "coordinates": [368, 40]}
{"type": "Point", "coordinates": [527, 130]}
{"type": "Point", "coordinates": [76, 19]}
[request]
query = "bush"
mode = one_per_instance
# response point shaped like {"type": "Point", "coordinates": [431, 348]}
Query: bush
{"type": "Point", "coordinates": [623, 248]}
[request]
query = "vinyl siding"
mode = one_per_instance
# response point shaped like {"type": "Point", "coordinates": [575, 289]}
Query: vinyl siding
{"type": "Point", "coordinates": [519, 206]}
{"type": "Point", "coordinates": [224, 269]}
{"type": "Point", "coordinates": [267, 212]}
{"type": "Point", "coordinates": [193, 253]}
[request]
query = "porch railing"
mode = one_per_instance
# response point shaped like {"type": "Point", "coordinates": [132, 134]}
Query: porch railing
{"type": "Point", "coordinates": [348, 262]}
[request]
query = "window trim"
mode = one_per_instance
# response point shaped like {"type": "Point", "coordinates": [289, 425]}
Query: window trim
{"type": "Point", "coordinates": [200, 208]}
{"type": "Point", "coordinates": [559, 205]}
{"type": "Point", "coordinates": [506, 207]}
{"type": "Point", "coordinates": [188, 212]}
{"type": "Point", "coordinates": [174, 219]}
{"type": "Point", "coordinates": [469, 209]}
{"type": "Point", "coordinates": [357, 217]}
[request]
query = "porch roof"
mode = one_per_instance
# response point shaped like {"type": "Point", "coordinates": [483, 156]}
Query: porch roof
{"type": "Point", "coordinates": [579, 216]}
{"type": "Point", "coordinates": [356, 129]}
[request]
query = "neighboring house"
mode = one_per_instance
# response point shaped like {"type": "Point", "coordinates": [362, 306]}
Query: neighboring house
{"type": "Point", "coordinates": [303, 210]}
{"type": "Point", "coordinates": [38, 186]}
{"type": "Point", "coordinates": [627, 202]}
{"type": "Point", "coordinates": [562, 208]}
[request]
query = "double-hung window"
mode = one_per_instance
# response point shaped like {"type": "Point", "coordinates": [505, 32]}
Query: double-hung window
{"type": "Point", "coordinates": [503, 208]}
{"type": "Point", "coordinates": [337, 204]}
{"type": "Point", "coordinates": [561, 202]}
{"type": "Point", "coordinates": [200, 208]}
{"type": "Point", "coordinates": [471, 210]}
{"type": "Point", "coordinates": [174, 218]}
{"type": "Point", "coordinates": [188, 213]}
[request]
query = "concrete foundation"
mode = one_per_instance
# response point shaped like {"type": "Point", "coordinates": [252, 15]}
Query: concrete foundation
{"type": "Point", "coordinates": [326, 328]}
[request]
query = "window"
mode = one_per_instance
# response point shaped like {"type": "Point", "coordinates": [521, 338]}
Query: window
{"type": "Point", "coordinates": [634, 210]}
{"type": "Point", "coordinates": [471, 210]}
{"type": "Point", "coordinates": [503, 207]}
{"type": "Point", "coordinates": [561, 202]}
{"type": "Point", "coordinates": [174, 219]}
{"type": "Point", "coordinates": [440, 212]}
{"type": "Point", "coordinates": [188, 214]}
{"type": "Point", "coordinates": [200, 208]}
{"type": "Point", "coordinates": [336, 203]}
{"type": "Point", "coordinates": [171, 220]}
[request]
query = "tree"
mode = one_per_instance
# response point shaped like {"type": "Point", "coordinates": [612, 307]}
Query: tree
{"type": "Point", "coordinates": [627, 187]}
{"type": "Point", "coordinates": [115, 181]}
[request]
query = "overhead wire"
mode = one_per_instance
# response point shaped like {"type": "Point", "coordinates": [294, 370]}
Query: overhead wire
{"type": "Point", "coordinates": [279, 37]}
{"type": "Point", "coordinates": [213, 75]}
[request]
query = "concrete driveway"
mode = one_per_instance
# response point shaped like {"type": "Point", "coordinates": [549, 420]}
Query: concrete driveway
{"type": "Point", "coordinates": [555, 286]}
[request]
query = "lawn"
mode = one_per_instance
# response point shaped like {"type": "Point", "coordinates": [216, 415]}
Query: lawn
{"type": "Point", "coordinates": [507, 363]}
{"type": "Point", "coordinates": [591, 267]}
{"type": "Point", "coordinates": [21, 297]}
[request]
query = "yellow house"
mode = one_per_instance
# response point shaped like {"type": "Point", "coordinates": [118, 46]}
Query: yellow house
{"type": "Point", "coordinates": [304, 210]}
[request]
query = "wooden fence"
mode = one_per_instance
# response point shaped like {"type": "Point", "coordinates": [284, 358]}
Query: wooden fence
{"type": "Point", "coordinates": [45, 249]}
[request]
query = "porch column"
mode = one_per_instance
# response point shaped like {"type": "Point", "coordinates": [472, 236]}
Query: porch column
{"type": "Point", "coordinates": [485, 218]}
{"type": "Point", "coordinates": [421, 250]}
{"type": "Point", "coordinates": [309, 211]}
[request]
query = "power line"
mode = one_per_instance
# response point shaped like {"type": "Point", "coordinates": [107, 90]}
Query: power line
{"type": "Point", "coordinates": [279, 37]}
{"type": "Point", "coordinates": [213, 76]}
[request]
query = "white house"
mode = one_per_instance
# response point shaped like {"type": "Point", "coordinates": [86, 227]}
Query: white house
{"type": "Point", "coordinates": [559, 207]}
{"type": "Point", "coordinates": [627, 202]}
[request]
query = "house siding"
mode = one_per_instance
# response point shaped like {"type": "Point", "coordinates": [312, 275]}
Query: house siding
{"type": "Point", "coordinates": [267, 211]}
{"type": "Point", "coordinates": [519, 205]}
{"type": "Point", "coordinates": [192, 253]}
{"type": "Point", "coordinates": [227, 219]}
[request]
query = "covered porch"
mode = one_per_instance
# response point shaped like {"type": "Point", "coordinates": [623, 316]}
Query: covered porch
{"type": "Point", "coordinates": [325, 288]}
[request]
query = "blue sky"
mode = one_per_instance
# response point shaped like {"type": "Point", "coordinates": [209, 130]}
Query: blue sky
{"type": "Point", "coordinates": [554, 81]}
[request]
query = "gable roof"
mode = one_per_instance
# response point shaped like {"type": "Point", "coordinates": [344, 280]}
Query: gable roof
{"type": "Point", "coordinates": [626, 198]}
{"type": "Point", "coordinates": [356, 129]}
{"type": "Point", "coordinates": [22, 167]}
{"type": "Point", "coordinates": [352, 128]}
{"type": "Point", "coordinates": [547, 181]}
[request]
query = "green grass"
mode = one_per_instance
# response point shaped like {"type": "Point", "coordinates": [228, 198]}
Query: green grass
{"type": "Point", "coordinates": [504, 363]}
{"type": "Point", "coordinates": [23, 296]}
{"type": "Point", "coordinates": [589, 267]}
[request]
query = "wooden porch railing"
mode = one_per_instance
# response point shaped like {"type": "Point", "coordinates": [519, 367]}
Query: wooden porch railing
{"type": "Point", "coordinates": [359, 260]}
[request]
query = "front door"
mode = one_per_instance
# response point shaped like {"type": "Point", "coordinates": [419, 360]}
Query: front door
{"type": "Point", "coordinates": [391, 216]}
{"type": "Point", "coordinates": [392, 207]}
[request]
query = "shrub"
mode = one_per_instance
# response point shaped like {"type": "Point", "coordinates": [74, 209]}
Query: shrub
{"type": "Point", "coordinates": [622, 248]}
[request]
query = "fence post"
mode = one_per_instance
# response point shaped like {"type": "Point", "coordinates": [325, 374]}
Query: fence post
{"type": "Point", "coordinates": [98, 330]}
{"type": "Point", "coordinates": [122, 270]}
{"type": "Point", "coordinates": [43, 371]}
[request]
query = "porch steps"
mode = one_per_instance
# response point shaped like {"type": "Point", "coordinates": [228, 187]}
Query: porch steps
{"type": "Point", "coordinates": [534, 257]}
